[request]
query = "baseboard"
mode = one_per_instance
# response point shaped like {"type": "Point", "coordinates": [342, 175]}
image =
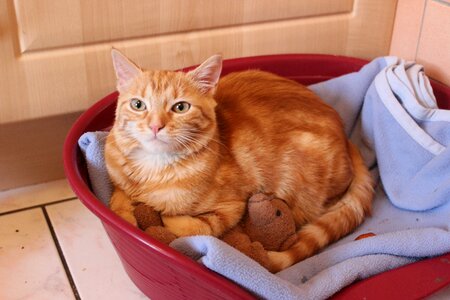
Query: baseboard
{"type": "Point", "coordinates": [31, 151]}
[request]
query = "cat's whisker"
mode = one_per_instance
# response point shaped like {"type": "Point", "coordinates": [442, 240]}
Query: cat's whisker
{"type": "Point", "coordinates": [183, 144]}
{"type": "Point", "coordinates": [192, 154]}
{"type": "Point", "coordinates": [187, 140]}
{"type": "Point", "coordinates": [195, 141]}
{"type": "Point", "coordinates": [211, 139]}
{"type": "Point", "coordinates": [196, 134]}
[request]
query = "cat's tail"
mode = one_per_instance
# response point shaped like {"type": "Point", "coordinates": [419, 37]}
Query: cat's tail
{"type": "Point", "coordinates": [340, 219]}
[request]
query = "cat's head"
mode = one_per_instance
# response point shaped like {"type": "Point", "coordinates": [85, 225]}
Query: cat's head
{"type": "Point", "coordinates": [165, 112]}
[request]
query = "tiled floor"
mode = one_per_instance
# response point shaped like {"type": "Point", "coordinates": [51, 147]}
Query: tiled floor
{"type": "Point", "coordinates": [52, 247]}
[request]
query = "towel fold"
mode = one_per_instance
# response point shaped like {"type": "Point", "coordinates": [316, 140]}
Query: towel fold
{"type": "Point", "coordinates": [390, 113]}
{"type": "Point", "coordinates": [92, 144]}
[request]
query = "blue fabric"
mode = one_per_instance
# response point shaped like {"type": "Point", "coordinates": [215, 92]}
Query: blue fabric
{"type": "Point", "coordinates": [92, 144]}
{"type": "Point", "coordinates": [390, 112]}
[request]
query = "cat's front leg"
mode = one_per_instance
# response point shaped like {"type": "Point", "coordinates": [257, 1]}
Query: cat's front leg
{"type": "Point", "coordinates": [213, 223]}
{"type": "Point", "coordinates": [123, 206]}
{"type": "Point", "coordinates": [186, 225]}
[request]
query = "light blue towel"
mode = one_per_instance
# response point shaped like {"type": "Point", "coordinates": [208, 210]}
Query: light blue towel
{"type": "Point", "coordinates": [390, 112]}
{"type": "Point", "coordinates": [92, 144]}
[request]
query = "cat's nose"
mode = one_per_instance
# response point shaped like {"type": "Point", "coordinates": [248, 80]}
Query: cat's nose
{"type": "Point", "coordinates": [156, 128]}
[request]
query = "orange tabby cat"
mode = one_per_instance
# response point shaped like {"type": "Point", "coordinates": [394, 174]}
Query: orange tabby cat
{"type": "Point", "coordinates": [196, 149]}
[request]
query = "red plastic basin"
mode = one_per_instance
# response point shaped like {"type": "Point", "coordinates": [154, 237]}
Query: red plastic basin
{"type": "Point", "coordinates": [161, 272]}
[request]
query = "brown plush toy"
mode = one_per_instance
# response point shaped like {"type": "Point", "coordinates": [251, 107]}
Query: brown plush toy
{"type": "Point", "coordinates": [270, 221]}
{"type": "Point", "coordinates": [267, 225]}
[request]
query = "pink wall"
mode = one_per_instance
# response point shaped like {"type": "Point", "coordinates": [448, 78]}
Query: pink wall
{"type": "Point", "coordinates": [422, 33]}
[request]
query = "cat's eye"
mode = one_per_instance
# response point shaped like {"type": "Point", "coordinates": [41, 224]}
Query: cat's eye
{"type": "Point", "coordinates": [181, 107]}
{"type": "Point", "coordinates": [137, 104]}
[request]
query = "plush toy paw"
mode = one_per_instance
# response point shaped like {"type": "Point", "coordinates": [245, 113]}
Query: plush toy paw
{"type": "Point", "coordinates": [149, 221]}
{"type": "Point", "coordinates": [241, 242]}
{"type": "Point", "coordinates": [146, 216]}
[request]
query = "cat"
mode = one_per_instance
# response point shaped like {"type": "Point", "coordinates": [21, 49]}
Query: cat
{"type": "Point", "coordinates": [195, 148]}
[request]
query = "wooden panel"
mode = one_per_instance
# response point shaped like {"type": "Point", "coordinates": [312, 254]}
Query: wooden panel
{"type": "Point", "coordinates": [408, 22]}
{"type": "Point", "coordinates": [434, 45]}
{"type": "Point", "coordinates": [45, 24]}
{"type": "Point", "coordinates": [370, 28]}
{"type": "Point", "coordinates": [31, 151]}
{"type": "Point", "coordinates": [56, 79]}
{"type": "Point", "coordinates": [422, 33]}
{"type": "Point", "coordinates": [63, 80]}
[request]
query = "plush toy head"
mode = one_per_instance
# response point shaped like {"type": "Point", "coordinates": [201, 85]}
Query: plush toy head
{"type": "Point", "coordinates": [270, 221]}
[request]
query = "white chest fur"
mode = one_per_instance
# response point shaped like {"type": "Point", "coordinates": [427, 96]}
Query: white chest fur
{"type": "Point", "coordinates": [171, 201]}
{"type": "Point", "coordinates": [159, 181]}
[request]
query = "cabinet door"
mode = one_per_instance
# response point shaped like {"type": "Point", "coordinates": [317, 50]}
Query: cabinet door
{"type": "Point", "coordinates": [54, 55]}
{"type": "Point", "coordinates": [422, 33]}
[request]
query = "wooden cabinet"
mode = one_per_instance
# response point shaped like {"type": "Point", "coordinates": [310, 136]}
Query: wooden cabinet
{"type": "Point", "coordinates": [55, 59]}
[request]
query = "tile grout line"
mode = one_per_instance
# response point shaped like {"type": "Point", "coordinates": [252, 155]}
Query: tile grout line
{"type": "Point", "coordinates": [36, 206]}
{"type": "Point", "coordinates": [61, 254]}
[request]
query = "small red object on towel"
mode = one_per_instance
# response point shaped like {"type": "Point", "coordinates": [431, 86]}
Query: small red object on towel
{"type": "Point", "coordinates": [365, 235]}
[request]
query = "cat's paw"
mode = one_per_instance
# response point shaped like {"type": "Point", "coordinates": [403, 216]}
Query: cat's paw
{"type": "Point", "coordinates": [278, 261]}
{"type": "Point", "coordinates": [186, 226]}
{"type": "Point", "coordinates": [160, 233]}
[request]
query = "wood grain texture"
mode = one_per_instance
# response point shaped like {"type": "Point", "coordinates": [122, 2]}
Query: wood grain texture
{"type": "Point", "coordinates": [52, 81]}
{"type": "Point", "coordinates": [370, 28]}
{"type": "Point", "coordinates": [407, 26]}
{"type": "Point", "coordinates": [45, 24]}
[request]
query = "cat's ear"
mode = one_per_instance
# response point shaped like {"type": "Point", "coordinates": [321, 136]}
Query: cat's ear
{"type": "Point", "coordinates": [207, 74]}
{"type": "Point", "coordinates": [125, 69]}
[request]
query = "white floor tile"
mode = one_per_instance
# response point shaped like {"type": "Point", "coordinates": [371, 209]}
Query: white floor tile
{"type": "Point", "coordinates": [30, 267]}
{"type": "Point", "coordinates": [93, 263]}
{"type": "Point", "coordinates": [34, 195]}
{"type": "Point", "coordinates": [443, 294]}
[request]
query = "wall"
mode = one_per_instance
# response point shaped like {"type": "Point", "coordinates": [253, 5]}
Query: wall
{"type": "Point", "coordinates": [422, 33]}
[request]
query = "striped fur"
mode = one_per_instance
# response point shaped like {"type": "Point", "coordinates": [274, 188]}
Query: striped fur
{"type": "Point", "coordinates": [339, 220]}
{"type": "Point", "coordinates": [252, 132]}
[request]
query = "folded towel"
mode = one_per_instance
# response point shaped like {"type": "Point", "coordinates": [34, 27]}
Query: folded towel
{"type": "Point", "coordinates": [415, 168]}
{"type": "Point", "coordinates": [92, 144]}
{"type": "Point", "coordinates": [390, 112]}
